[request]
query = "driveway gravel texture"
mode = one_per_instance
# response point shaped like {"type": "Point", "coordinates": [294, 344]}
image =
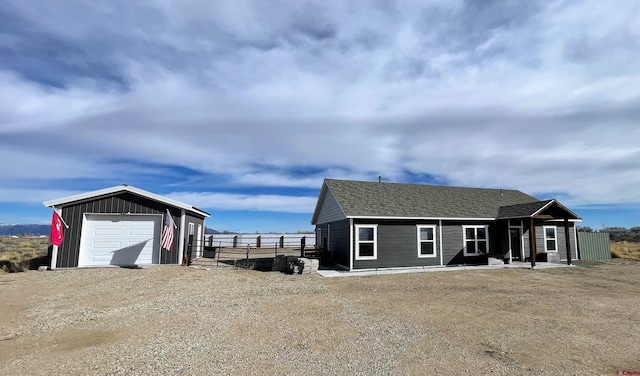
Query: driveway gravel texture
{"type": "Point", "coordinates": [171, 320]}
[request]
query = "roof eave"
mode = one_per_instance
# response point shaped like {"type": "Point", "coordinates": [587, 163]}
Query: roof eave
{"type": "Point", "coordinates": [124, 188]}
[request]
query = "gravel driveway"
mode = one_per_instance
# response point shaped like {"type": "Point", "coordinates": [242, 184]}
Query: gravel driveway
{"type": "Point", "coordinates": [187, 321]}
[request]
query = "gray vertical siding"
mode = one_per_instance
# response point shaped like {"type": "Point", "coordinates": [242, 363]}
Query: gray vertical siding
{"type": "Point", "coordinates": [118, 204]}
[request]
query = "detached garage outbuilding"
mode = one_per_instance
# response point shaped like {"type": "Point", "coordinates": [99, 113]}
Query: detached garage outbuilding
{"type": "Point", "coordinates": [122, 226]}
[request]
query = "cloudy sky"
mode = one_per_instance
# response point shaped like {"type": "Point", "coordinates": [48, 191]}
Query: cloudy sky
{"type": "Point", "coordinates": [242, 107]}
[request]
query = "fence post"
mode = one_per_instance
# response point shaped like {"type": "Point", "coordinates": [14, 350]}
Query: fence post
{"type": "Point", "coordinates": [235, 241]}
{"type": "Point", "coordinates": [258, 241]}
{"type": "Point", "coordinates": [276, 247]}
{"type": "Point", "coordinates": [302, 244]}
{"type": "Point", "coordinates": [246, 265]}
{"type": "Point", "coordinates": [219, 251]}
{"type": "Point", "coordinates": [282, 241]}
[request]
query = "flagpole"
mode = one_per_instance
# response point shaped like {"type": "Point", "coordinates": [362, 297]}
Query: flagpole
{"type": "Point", "coordinates": [62, 219]}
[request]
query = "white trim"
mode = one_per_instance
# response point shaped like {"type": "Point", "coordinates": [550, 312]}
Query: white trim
{"type": "Point", "coordinates": [440, 232]}
{"type": "Point", "coordinates": [125, 188]}
{"type": "Point", "coordinates": [350, 244]}
{"type": "Point", "coordinates": [555, 238]}
{"type": "Point", "coordinates": [423, 218]}
{"type": "Point", "coordinates": [420, 241]}
{"type": "Point", "coordinates": [374, 242]}
{"type": "Point", "coordinates": [464, 239]}
{"type": "Point", "coordinates": [54, 257]}
{"type": "Point", "coordinates": [199, 241]}
{"type": "Point", "coordinates": [543, 208]}
{"type": "Point", "coordinates": [183, 216]}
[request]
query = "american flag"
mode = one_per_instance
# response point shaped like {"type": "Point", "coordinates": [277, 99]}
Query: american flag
{"type": "Point", "coordinates": [167, 232]}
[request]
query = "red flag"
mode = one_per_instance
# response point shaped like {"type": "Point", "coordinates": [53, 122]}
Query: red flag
{"type": "Point", "coordinates": [57, 235]}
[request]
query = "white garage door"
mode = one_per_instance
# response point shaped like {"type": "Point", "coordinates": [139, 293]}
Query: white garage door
{"type": "Point", "coordinates": [119, 240]}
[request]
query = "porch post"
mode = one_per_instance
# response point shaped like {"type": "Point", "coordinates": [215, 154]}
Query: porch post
{"type": "Point", "coordinates": [568, 241]}
{"type": "Point", "coordinates": [532, 243]}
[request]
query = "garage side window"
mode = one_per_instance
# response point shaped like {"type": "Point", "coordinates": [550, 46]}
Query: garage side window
{"type": "Point", "coordinates": [426, 241]}
{"type": "Point", "coordinates": [191, 229]}
{"type": "Point", "coordinates": [366, 242]}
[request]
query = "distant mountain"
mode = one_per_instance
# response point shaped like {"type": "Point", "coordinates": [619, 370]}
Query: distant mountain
{"type": "Point", "coordinates": [21, 230]}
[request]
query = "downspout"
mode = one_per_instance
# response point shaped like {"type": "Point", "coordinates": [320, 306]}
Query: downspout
{"type": "Point", "coordinates": [183, 217]}
{"type": "Point", "coordinates": [440, 228]}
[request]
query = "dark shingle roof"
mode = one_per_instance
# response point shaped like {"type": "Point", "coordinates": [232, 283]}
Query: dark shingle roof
{"type": "Point", "coordinates": [372, 199]}
{"type": "Point", "coordinates": [521, 210]}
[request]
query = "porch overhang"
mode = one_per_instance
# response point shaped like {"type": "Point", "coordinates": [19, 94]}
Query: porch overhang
{"type": "Point", "coordinates": [548, 210]}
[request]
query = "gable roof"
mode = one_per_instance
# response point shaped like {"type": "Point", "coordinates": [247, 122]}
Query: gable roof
{"type": "Point", "coordinates": [521, 210]}
{"type": "Point", "coordinates": [373, 199]}
{"type": "Point", "coordinates": [124, 188]}
{"type": "Point", "coordinates": [536, 208]}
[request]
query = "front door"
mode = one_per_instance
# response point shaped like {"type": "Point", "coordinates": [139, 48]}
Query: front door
{"type": "Point", "coordinates": [515, 237]}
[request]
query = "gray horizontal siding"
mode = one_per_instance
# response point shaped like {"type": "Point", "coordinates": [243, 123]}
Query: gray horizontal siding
{"type": "Point", "coordinates": [330, 210]}
{"type": "Point", "coordinates": [338, 233]}
{"type": "Point", "coordinates": [398, 245]}
{"type": "Point", "coordinates": [453, 241]}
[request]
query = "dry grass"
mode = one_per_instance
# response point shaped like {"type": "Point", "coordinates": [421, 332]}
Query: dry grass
{"type": "Point", "coordinates": [18, 254]}
{"type": "Point", "coordinates": [626, 250]}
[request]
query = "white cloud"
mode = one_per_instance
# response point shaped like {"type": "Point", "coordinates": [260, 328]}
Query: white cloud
{"type": "Point", "coordinates": [286, 94]}
{"type": "Point", "coordinates": [232, 201]}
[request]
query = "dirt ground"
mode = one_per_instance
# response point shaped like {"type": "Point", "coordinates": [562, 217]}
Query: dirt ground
{"type": "Point", "coordinates": [176, 320]}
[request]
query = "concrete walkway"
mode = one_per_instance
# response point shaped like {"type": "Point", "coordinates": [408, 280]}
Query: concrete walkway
{"type": "Point", "coordinates": [330, 273]}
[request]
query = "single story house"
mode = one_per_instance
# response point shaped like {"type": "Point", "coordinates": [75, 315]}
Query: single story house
{"type": "Point", "coordinates": [365, 225]}
{"type": "Point", "coordinates": [122, 226]}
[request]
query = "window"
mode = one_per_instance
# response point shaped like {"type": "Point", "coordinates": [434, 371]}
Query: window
{"type": "Point", "coordinates": [550, 239]}
{"type": "Point", "coordinates": [476, 240]}
{"type": "Point", "coordinates": [366, 242]}
{"type": "Point", "coordinates": [191, 228]}
{"type": "Point", "coordinates": [426, 241]}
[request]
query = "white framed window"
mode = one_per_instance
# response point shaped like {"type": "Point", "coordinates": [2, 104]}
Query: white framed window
{"type": "Point", "coordinates": [426, 240]}
{"type": "Point", "coordinates": [476, 240]}
{"type": "Point", "coordinates": [550, 243]}
{"type": "Point", "coordinates": [191, 229]}
{"type": "Point", "coordinates": [366, 242]}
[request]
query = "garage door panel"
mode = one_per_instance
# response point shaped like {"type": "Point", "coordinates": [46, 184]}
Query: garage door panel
{"type": "Point", "coordinates": [101, 231]}
{"type": "Point", "coordinates": [106, 245]}
{"type": "Point", "coordinates": [111, 240]}
{"type": "Point", "coordinates": [141, 232]}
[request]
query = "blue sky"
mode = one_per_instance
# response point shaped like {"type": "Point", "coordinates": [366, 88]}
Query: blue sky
{"type": "Point", "coordinates": [242, 108]}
